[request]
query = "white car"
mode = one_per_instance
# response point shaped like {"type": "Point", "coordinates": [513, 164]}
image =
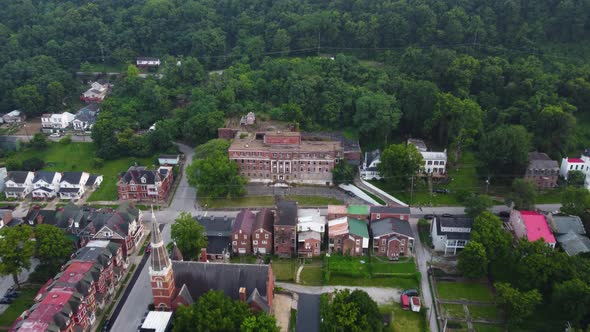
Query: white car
{"type": "Point", "coordinates": [55, 135]}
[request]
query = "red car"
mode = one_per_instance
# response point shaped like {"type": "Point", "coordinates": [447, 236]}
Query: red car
{"type": "Point", "coordinates": [405, 302]}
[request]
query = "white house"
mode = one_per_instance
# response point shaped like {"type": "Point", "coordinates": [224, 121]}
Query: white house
{"type": "Point", "coordinates": [46, 184]}
{"type": "Point", "coordinates": [14, 116]}
{"type": "Point", "coordinates": [369, 170]}
{"type": "Point", "coordinates": [450, 233]}
{"type": "Point", "coordinates": [57, 121]}
{"type": "Point", "coordinates": [73, 185]}
{"type": "Point", "coordinates": [435, 163]}
{"type": "Point", "coordinates": [18, 184]}
{"type": "Point", "coordinates": [85, 117]}
{"type": "Point", "coordinates": [310, 220]}
{"type": "Point", "coordinates": [96, 93]}
{"type": "Point", "coordinates": [93, 181]}
{"type": "Point", "coordinates": [169, 159]}
{"type": "Point", "coordinates": [147, 62]}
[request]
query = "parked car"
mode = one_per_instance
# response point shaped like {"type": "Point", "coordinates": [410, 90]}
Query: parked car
{"type": "Point", "coordinates": [405, 300]}
{"type": "Point", "coordinates": [504, 214]}
{"type": "Point", "coordinates": [55, 135]}
{"type": "Point", "coordinates": [350, 193]}
{"type": "Point", "coordinates": [441, 191]}
{"type": "Point", "coordinates": [429, 216]}
{"type": "Point", "coordinates": [107, 325]}
{"type": "Point", "coordinates": [410, 292]}
{"type": "Point", "coordinates": [415, 304]}
{"type": "Point", "coordinates": [148, 249]}
{"type": "Point", "coordinates": [6, 300]}
{"type": "Point", "coordinates": [447, 215]}
{"type": "Point", "coordinates": [12, 294]}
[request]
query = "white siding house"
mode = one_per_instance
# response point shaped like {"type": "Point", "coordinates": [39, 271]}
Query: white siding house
{"type": "Point", "coordinates": [73, 185]}
{"type": "Point", "coordinates": [46, 184]}
{"type": "Point", "coordinates": [18, 184]}
{"type": "Point", "coordinates": [450, 234]}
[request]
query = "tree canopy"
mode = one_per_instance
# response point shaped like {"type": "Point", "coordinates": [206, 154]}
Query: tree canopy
{"type": "Point", "coordinates": [399, 162]}
{"type": "Point", "coordinates": [347, 310]}
{"type": "Point", "coordinates": [17, 246]}
{"type": "Point", "coordinates": [189, 236]}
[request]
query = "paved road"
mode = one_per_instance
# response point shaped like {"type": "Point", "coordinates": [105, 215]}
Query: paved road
{"type": "Point", "coordinates": [422, 256]}
{"type": "Point", "coordinates": [308, 313]}
{"type": "Point", "coordinates": [26, 138]}
{"type": "Point", "coordinates": [381, 295]}
{"type": "Point", "coordinates": [135, 307]}
{"type": "Point", "coordinates": [421, 211]}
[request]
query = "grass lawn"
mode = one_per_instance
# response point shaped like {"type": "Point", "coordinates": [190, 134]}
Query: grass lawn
{"type": "Point", "coordinates": [463, 290]}
{"type": "Point", "coordinates": [453, 310]}
{"type": "Point", "coordinates": [350, 271]}
{"type": "Point", "coordinates": [247, 259]}
{"type": "Point", "coordinates": [402, 320]}
{"type": "Point", "coordinates": [485, 312]}
{"type": "Point", "coordinates": [109, 68]}
{"type": "Point", "coordinates": [549, 196]}
{"type": "Point", "coordinates": [284, 269]}
{"type": "Point", "coordinates": [80, 157]}
{"type": "Point", "coordinates": [463, 177]}
{"type": "Point", "coordinates": [478, 327]}
{"type": "Point", "coordinates": [266, 201]}
{"type": "Point", "coordinates": [311, 276]}
{"type": "Point", "coordinates": [22, 303]}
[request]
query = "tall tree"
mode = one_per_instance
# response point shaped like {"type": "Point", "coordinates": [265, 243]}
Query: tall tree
{"type": "Point", "coordinates": [473, 261]}
{"type": "Point", "coordinates": [189, 236]}
{"type": "Point", "coordinates": [376, 114]}
{"type": "Point", "coordinates": [523, 194]}
{"type": "Point", "coordinates": [487, 229]}
{"type": "Point", "coordinates": [215, 177]}
{"type": "Point", "coordinates": [52, 247]}
{"type": "Point", "coordinates": [16, 249]}
{"type": "Point", "coordinates": [519, 305]}
{"type": "Point", "coordinates": [399, 162]}
{"type": "Point", "coordinates": [477, 204]}
{"type": "Point", "coordinates": [455, 119]}
{"type": "Point", "coordinates": [262, 322]}
{"type": "Point", "coordinates": [504, 151]}
{"type": "Point", "coordinates": [29, 99]}
{"type": "Point", "coordinates": [350, 311]}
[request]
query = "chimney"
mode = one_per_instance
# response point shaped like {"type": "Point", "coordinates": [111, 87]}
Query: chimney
{"type": "Point", "coordinates": [203, 256]}
{"type": "Point", "coordinates": [39, 219]}
{"type": "Point", "coordinates": [243, 294]}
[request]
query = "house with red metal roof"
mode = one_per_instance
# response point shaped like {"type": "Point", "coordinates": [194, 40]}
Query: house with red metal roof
{"type": "Point", "coordinates": [533, 226]}
{"type": "Point", "coordinates": [242, 232]}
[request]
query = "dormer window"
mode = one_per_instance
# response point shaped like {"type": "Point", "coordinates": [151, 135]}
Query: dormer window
{"type": "Point", "coordinates": [143, 180]}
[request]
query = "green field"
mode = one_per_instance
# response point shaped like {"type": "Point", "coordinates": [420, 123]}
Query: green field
{"type": "Point", "coordinates": [80, 157]}
{"type": "Point", "coordinates": [453, 310]}
{"type": "Point", "coordinates": [463, 290]}
{"type": "Point", "coordinates": [284, 269]}
{"type": "Point", "coordinates": [311, 276]}
{"type": "Point", "coordinates": [478, 327]}
{"type": "Point", "coordinates": [363, 271]}
{"type": "Point", "coordinates": [485, 312]}
{"type": "Point", "coordinates": [267, 201]}
{"type": "Point", "coordinates": [22, 303]}
{"type": "Point", "coordinates": [404, 320]}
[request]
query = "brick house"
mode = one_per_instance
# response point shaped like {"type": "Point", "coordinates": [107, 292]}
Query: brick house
{"type": "Point", "coordinates": [382, 212]}
{"type": "Point", "coordinates": [337, 211]}
{"type": "Point", "coordinates": [392, 238]}
{"type": "Point", "coordinates": [142, 184]}
{"type": "Point", "coordinates": [309, 244]}
{"type": "Point", "coordinates": [542, 170]}
{"type": "Point", "coordinates": [360, 212]}
{"type": "Point", "coordinates": [242, 232]}
{"type": "Point", "coordinates": [262, 232]}
{"type": "Point", "coordinates": [285, 228]}
{"type": "Point", "coordinates": [348, 236]}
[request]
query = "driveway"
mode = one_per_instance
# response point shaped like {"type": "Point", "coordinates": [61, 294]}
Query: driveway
{"type": "Point", "coordinates": [381, 295]}
{"type": "Point", "coordinates": [308, 313]}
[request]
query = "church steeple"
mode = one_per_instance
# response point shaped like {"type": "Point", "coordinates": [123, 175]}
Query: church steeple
{"type": "Point", "coordinates": [161, 273]}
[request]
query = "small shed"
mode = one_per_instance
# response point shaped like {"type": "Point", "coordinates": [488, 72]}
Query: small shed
{"type": "Point", "coordinates": [169, 159]}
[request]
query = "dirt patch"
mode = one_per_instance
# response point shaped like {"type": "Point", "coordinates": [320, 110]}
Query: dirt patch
{"type": "Point", "coordinates": [281, 307]}
{"type": "Point", "coordinates": [32, 127]}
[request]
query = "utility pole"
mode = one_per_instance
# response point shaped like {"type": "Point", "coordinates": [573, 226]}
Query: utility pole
{"type": "Point", "coordinates": [412, 191]}
{"type": "Point", "coordinates": [487, 184]}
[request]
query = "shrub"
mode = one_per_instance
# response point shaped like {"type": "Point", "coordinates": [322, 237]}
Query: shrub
{"type": "Point", "coordinates": [66, 140]}
{"type": "Point", "coordinates": [98, 162]}
{"type": "Point", "coordinates": [13, 164]}
{"type": "Point", "coordinates": [33, 164]}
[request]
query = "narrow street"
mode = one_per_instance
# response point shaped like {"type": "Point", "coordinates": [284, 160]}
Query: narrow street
{"type": "Point", "coordinates": [308, 313]}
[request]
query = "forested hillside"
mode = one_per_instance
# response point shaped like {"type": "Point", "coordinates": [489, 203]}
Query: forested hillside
{"type": "Point", "coordinates": [448, 71]}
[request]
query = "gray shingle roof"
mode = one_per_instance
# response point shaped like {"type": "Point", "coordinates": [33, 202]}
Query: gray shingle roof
{"type": "Point", "coordinates": [216, 226]}
{"type": "Point", "coordinates": [573, 243]}
{"type": "Point", "coordinates": [287, 213]}
{"type": "Point", "coordinates": [391, 225]}
{"type": "Point", "coordinates": [43, 175]}
{"type": "Point", "coordinates": [566, 224]}
{"type": "Point", "coordinates": [17, 176]}
{"type": "Point", "coordinates": [540, 160]}
{"type": "Point", "coordinates": [71, 177]}
{"type": "Point", "coordinates": [201, 277]}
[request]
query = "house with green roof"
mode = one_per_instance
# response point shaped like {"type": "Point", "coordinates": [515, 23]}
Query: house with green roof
{"type": "Point", "coordinates": [360, 212]}
{"type": "Point", "coordinates": [348, 236]}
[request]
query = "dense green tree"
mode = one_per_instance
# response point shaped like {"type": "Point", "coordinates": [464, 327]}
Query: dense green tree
{"type": "Point", "coordinates": [574, 311]}
{"type": "Point", "coordinates": [523, 195]}
{"type": "Point", "coordinates": [343, 173]}
{"type": "Point", "coordinates": [504, 151]}
{"type": "Point", "coordinates": [38, 142]}
{"type": "Point", "coordinates": [189, 235]}
{"type": "Point", "coordinates": [399, 162]}
{"type": "Point", "coordinates": [55, 97]}
{"type": "Point", "coordinates": [216, 177]}
{"type": "Point", "coordinates": [350, 311]}
{"type": "Point", "coordinates": [473, 261]}
{"type": "Point", "coordinates": [454, 117]}
{"type": "Point", "coordinates": [476, 204]}
{"type": "Point", "coordinates": [487, 229]}
{"type": "Point", "coordinates": [575, 178]}
{"type": "Point", "coordinates": [16, 249]}
{"type": "Point", "coordinates": [52, 247]}
{"type": "Point", "coordinates": [518, 305]}
{"type": "Point", "coordinates": [213, 147]}
{"type": "Point", "coordinates": [212, 312]}
{"type": "Point", "coordinates": [262, 322]}
{"type": "Point", "coordinates": [376, 114]}
{"type": "Point", "coordinates": [576, 201]}
{"type": "Point", "coordinates": [29, 99]}
{"type": "Point", "coordinates": [32, 164]}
